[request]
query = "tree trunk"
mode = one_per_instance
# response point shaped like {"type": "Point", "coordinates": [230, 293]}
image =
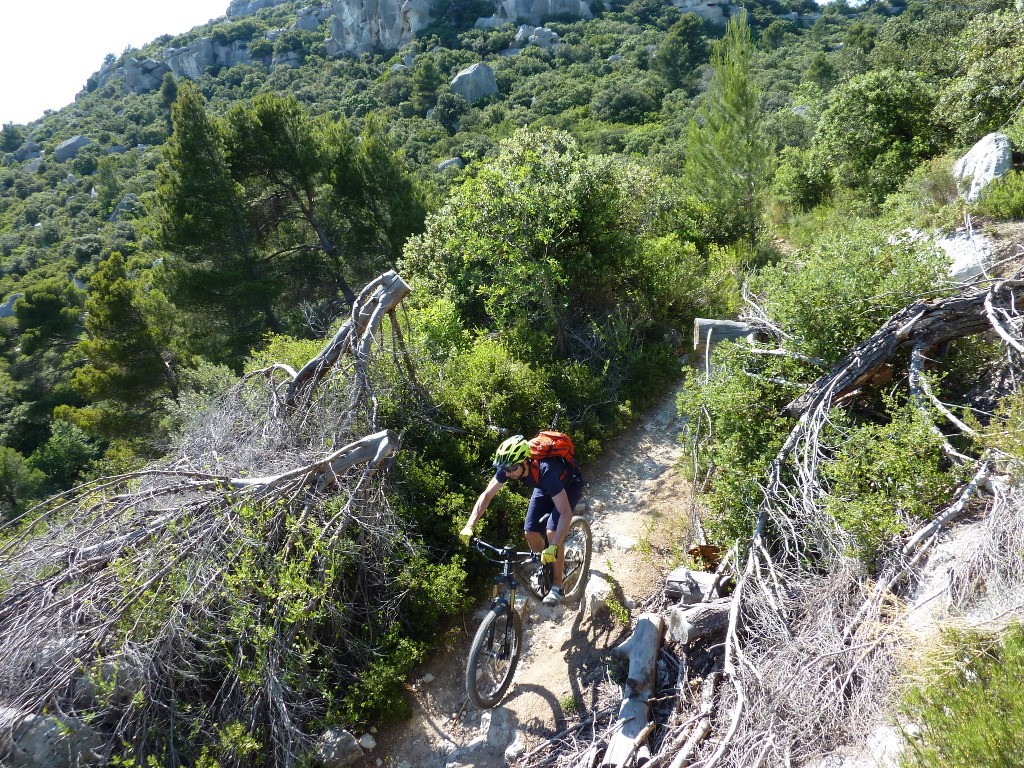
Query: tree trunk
{"type": "Point", "coordinates": [377, 298]}
{"type": "Point", "coordinates": [696, 621]}
{"type": "Point", "coordinates": [641, 650]}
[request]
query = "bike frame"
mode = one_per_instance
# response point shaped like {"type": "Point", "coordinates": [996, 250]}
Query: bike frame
{"type": "Point", "coordinates": [508, 558]}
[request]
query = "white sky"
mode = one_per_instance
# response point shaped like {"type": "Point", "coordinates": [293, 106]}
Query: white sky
{"type": "Point", "coordinates": [48, 48]}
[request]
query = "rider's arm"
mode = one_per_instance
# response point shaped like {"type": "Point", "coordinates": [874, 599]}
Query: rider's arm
{"type": "Point", "coordinates": [561, 501]}
{"type": "Point", "coordinates": [484, 500]}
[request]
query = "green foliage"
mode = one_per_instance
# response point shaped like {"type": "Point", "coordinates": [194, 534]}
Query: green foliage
{"type": "Point", "coordinates": [846, 285]}
{"type": "Point", "coordinates": [49, 315]}
{"type": "Point", "coordinates": [982, 98]}
{"type": "Point", "coordinates": [876, 128]}
{"type": "Point", "coordinates": [129, 367]}
{"type": "Point", "coordinates": [969, 708]}
{"type": "Point", "coordinates": [741, 412]}
{"type": "Point", "coordinates": [726, 160]}
{"type": "Point", "coordinates": [243, 265]}
{"type": "Point", "coordinates": [65, 456]}
{"type": "Point", "coordinates": [1003, 199]}
{"type": "Point", "coordinates": [11, 137]}
{"type": "Point", "coordinates": [20, 482]}
{"type": "Point", "coordinates": [885, 479]}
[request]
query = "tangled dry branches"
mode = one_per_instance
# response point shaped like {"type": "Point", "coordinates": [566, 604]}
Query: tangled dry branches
{"type": "Point", "coordinates": [211, 599]}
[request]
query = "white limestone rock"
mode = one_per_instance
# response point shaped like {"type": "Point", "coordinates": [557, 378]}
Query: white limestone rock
{"type": "Point", "coordinates": [970, 255]}
{"type": "Point", "coordinates": [598, 592]}
{"type": "Point", "coordinates": [30, 150]}
{"type": "Point", "coordinates": [986, 161]}
{"type": "Point", "coordinates": [66, 150]}
{"type": "Point", "coordinates": [367, 742]}
{"type": "Point", "coordinates": [475, 82]}
{"type": "Point", "coordinates": [239, 8]}
{"type": "Point", "coordinates": [453, 163]}
{"type": "Point", "coordinates": [710, 10]}
{"type": "Point", "coordinates": [337, 748]}
{"type": "Point", "coordinates": [43, 741]}
{"type": "Point", "coordinates": [362, 26]}
{"type": "Point", "coordinates": [542, 37]}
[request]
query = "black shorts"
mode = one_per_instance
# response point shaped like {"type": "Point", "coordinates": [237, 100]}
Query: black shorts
{"type": "Point", "coordinates": [541, 504]}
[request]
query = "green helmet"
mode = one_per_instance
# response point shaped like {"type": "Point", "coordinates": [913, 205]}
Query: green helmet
{"type": "Point", "coordinates": [512, 451]}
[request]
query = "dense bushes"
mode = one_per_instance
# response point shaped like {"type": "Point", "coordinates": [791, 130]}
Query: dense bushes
{"type": "Point", "coordinates": [969, 710]}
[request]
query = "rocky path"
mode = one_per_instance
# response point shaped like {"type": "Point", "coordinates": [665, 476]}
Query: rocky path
{"type": "Point", "coordinates": [638, 505]}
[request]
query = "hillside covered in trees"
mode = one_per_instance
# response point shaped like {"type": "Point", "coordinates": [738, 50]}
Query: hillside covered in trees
{"type": "Point", "coordinates": [200, 556]}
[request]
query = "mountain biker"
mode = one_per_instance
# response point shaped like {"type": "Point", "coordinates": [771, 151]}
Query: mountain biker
{"type": "Point", "coordinates": [557, 487]}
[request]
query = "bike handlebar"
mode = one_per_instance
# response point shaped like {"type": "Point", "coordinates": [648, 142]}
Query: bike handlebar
{"type": "Point", "coordinates": [503, 553]}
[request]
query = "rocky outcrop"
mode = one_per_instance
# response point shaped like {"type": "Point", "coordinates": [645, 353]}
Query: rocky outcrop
{"type": "Point", "coordinates": [239, 8]}
{"type": "Point", "coordinates": [361, 26]}
{"type": "Point", "coordinates": [534, 11]}
{"type": "Point", "coordinates": [453, 163]}
{"type": "Point", "coordinates": [709, 10]}
{"type": "Point", "coordinates": [30, 150]}
{"type": "Point", "coordinates": [69, 149]}
{"type": "Point", "coordinates": [142, 76]}
{"type": "Point", "coordinates": [337, 748]}
{"type": "Point", "coordinates": [42, 741]}
{"type": "Point", "coordinates": [542, 37]}
{"type": "Point", "coordinates": [475, 82]}
{"type": "Point", "coordinates": [987, 160]}
{"type": "Point", "coordinates": [192, 60]}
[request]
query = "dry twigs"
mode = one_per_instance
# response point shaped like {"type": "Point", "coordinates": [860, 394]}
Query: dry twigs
{"type": "Point", "coordinates": [811, 643]}
{"type": "Point", "coordinates": [184, 604]}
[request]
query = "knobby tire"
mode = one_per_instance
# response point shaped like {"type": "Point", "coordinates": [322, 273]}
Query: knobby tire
{"type": "Point", "coordinates": [494, 655]}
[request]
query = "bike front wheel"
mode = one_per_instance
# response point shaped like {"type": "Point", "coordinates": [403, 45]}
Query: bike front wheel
{"type": "Point", "coordinates": [579, 546]}
{"type": "Point", "coordinates": [494, 655]}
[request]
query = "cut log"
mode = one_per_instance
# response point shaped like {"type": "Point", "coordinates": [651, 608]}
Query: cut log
{"type": "Point", "coordinates": [641, 650]}
{"type": "Point", "coordinates": [696, 621]}
{"type": "Point", "coordinates": [690, 586]}
{"type": "Point", "coordinates": [705, 330]}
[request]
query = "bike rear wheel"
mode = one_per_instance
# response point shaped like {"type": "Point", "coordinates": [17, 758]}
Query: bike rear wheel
{"type": "Point", "coordinates": [494, 655]}
{"type": "Point", "coordinates": [579, 546]}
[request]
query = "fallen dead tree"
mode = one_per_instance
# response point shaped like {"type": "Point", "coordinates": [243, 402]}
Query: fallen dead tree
{"type": "Point", "coordinates": [182, 605]}
{"type": "Point", "coordinates": [809, 637]}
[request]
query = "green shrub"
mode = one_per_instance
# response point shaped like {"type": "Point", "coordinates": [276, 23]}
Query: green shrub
{"type": "Point", "coordinates": [886, 478]}
{"type": "Point", "coordinates": [970, 711]}
{"type": "Point", "coordinates": [1003, 199]}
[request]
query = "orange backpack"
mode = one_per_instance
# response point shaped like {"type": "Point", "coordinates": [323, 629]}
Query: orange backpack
{"type": "Point", "coordinates": [547, 444]}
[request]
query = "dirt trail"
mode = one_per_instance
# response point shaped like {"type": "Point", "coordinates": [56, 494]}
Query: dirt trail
{"type": "Point", "coordinates": [639, 508]}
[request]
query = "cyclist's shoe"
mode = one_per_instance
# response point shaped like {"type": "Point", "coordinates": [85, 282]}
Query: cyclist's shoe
{"type": "Point", "coordinates": [554, 597]}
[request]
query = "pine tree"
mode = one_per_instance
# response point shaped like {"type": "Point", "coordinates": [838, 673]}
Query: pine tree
{"type": "Point", "coordinates": [215, 273]}
{"type": "Point", "coordinates": [129, 368]}
{"type": "Point", "coordinates": [727, 160]}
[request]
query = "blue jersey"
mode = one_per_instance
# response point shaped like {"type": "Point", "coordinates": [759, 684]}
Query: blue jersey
{"type": "Point", "coordinates": [553, 476]}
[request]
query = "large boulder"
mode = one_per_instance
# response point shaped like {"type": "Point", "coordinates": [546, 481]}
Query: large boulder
{"type": "Point", "coordinates": [538, 11]}
{"type": "Point", "coordinates": [987, 160]}
{"type": "Point", "coordinates": [475, 82]}
{"type": "Point", "coordinates": [142, 76]}
{"type": "Point", "coordinates": [42, 741]}
{"type": "Point", "coordinates": [30, 150]}
{"type": "Point", "coordinates": [542, 37]}
{"type": "Point", "coordinates": [192, 60]}
{"type": "Point", "coordinates": [69, 149]}
{"type": "Point", "coordinates": [715, 11]}
{"type": "Point", "coordinates": [337, 748]}
{"type": "Point", "coordinates": [970, 255]}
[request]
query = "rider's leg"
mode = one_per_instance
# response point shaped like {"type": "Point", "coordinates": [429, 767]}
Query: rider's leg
{"type": "Point", "coordinates": [574, 492]}
{"type": "Point", "coordinates": [533, 525]}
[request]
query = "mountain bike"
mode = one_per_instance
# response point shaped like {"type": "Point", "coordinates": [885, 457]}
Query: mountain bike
{"type": "Point", "coordinates": [494, 654]}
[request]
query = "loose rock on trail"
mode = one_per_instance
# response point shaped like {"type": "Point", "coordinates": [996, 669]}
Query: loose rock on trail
{"type": "Point", "coordinates": [639, 507]}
